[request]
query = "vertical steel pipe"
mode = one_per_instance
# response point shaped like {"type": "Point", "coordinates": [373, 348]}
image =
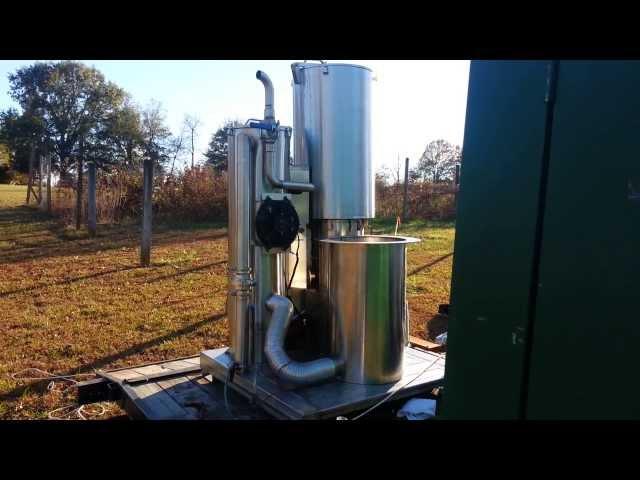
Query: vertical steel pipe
{"type": "Point", "coordinates": [240, 199]}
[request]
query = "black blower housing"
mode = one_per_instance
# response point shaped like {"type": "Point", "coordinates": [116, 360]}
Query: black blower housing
{"type": "Point", "coordinates": [277, 223]}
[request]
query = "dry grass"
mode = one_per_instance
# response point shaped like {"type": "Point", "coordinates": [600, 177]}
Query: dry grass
{"type": "Point", "coordinates": [12, 195]}
{"type": "Point", "coordinates": [428, 271]}
{"type": "Point", "coordinates": [71, 304]}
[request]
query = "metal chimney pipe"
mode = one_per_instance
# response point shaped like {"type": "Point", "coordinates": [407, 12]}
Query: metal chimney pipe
{"type": "Point", "coordinates": [269, 142]}
{"type": "Point", "coordinates": [269, 111]}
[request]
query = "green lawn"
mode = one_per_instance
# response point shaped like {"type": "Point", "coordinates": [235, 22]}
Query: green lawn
{"type": "Point", "coordinates": [428, 270]}
{"type": "Point", "coordinates": [12, 195]}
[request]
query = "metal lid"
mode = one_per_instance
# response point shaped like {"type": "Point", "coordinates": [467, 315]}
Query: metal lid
{"type": "Point", "coordinates": [371, 240]}
{"type": "Point", "coordinates": [302, 65]}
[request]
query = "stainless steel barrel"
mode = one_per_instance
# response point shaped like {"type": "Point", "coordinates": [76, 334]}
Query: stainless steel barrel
{"type": "Point", "coordinates": [332, 135]}
{"type": "Point", "coordinates": [365, 284]}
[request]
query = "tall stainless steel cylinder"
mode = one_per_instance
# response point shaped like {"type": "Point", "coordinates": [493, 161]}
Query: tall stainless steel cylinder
{"type": "Point", "coordinates": [332, 135]}
{"type": "Point", "coordinates": [365, 283]}
{"type": "Point", "coordinates": [240, 202]}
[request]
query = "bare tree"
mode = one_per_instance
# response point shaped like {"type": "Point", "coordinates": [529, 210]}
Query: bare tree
{"type": "Point", "coordinates": [155, 134]}
{"type": "Point", "coordinates": [397, 176]}
{"type": "Point", "coordinates": [438, 162]}
{"type": "Point", "coordinates": [192, 123]}
{"type": "Point", "coordinates": [176, 148]}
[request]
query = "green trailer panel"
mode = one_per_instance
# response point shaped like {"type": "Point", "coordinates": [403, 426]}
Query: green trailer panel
{"type": "Point", "coordinates": [586, 339]}
{"type": "Point", "coordinates": [495, 230]}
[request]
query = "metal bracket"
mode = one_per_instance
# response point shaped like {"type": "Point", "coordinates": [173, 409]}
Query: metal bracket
{"type": "Point", "coordinates": [269, 127]}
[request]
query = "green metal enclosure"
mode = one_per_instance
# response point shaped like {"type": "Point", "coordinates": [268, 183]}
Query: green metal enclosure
{"type": "Point", "coordinates": [545, 290]}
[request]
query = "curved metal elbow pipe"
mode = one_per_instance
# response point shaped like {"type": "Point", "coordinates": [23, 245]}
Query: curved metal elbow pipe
{"type": "Point", "coordinates": [300, 373]}
{"type": "Point", "coordinates": [269, 112]}
{"type": "Point", "coordinates": [267, 167]}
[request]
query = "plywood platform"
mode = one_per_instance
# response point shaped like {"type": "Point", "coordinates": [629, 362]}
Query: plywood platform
{"type": "Point", "coordinates": [177, 390]}
{"type": "Point", "coordinates": [180, 390]}
{"type": "Point", "coordinates": [423, 371]}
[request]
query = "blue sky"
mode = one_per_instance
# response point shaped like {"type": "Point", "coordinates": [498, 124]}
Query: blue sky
{"type": "Point", "coordinates": [413, 102]}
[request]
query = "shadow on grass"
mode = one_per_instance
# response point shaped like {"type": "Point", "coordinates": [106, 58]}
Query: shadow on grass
{"type": "Point", "coordinates": [72, 242]}
{"type": "Point", "coordinates": [430, 264]}
{"type": "Point", "coordinates": [184, 272]}
{"type": "Point", "coordinates": [104, 361]}
{"type": "Point", "coordinates": [23, 215]}
{"type": "Point", "coordinates": [68, 281]}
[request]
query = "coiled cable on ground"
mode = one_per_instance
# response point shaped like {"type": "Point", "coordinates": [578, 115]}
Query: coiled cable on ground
{"type": "Point", "coordinates": [71, 409]}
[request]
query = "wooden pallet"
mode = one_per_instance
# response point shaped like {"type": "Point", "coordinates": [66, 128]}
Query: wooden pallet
{"type": "Point", "coordinates": [178, 390]}
{"type": "Point", "coordinates": [173, 390]}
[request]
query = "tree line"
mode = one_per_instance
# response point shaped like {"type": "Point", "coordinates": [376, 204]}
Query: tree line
{"type": "Point", "coordinates": [70, 111]}
{"type": "Point", "coordinates": [436, 165]}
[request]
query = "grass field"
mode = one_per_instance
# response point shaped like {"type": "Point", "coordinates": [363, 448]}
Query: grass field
{"type": "Point", "coordinates": [70, 304]}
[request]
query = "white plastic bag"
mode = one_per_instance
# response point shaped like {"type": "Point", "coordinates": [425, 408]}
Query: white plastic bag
{"type": "Point", "coordinates": [418, 409]}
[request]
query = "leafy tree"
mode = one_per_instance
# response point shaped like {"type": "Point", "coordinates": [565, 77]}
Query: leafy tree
{"type": "Point", "coordinates": [70, 101]}
{"type": "Point", "coordinates": [217, 154]}
{"type": "Point", "coordinates": [119, 138]}
{"type": "Point", "coordinates": [438, 162]}
{"type": "Point", "coordinates": [19, 132]}
{"type": "Point", "coordinates": [414, 175]}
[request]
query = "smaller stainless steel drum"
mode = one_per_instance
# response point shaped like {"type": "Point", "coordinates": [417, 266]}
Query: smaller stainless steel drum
{"type": "Point", "coordinates": [367, 300]}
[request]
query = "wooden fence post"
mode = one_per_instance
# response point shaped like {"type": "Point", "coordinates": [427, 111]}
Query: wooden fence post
{"type": "Point", "coordinates": [40, 175]}
{"type": "Point", "coordinates": [91, 198]}
{"type": "Point", "coordinates": [45, 196]}
{"type": "Point", "coordinates": [406, 190]}
{"type": "Point", "coordinates": [145, 248]}
{"type": "Point", "coordinates": [32, 154]}
{"type": "Point", "coordinates": [79, 186]}
{"type": "Point", "coordinates": [49, 183]}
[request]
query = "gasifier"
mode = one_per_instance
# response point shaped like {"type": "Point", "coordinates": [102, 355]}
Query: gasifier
{"type": "Point", "coordinates": [317, 308]}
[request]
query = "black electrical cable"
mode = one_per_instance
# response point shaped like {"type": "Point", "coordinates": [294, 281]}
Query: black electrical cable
{"type": "Point", "coordinates": [295, 266]}
{"type": "Point", "coordinates": [293, 273]}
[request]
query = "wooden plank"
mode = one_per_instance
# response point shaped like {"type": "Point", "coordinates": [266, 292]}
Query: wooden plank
{"type": "Point", "coordinates": [238, 404]}
{"type": "Point", "coordinates": [180, 365]}
{"type": "Point", "coordinates": [166, 373]}
{"type": "Point", "coordinates": [121, 375]}
{"type": "Point", "coordinates": [430, 346]}
{"type": "Point", "coordinates": [290, 399]}
{"type": "Point", "coordinates": [190, 359]}
{"type": "Point", "coordinates": [194, 360]}
{"type": "Point", "coordinates": [153, 371]}
{"type": "Point", "coordinates": [192, 398]}
{"type": "Point", "coordinates": [156, 404]}
{"type": "Point", "coordinates": [149, 370]}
